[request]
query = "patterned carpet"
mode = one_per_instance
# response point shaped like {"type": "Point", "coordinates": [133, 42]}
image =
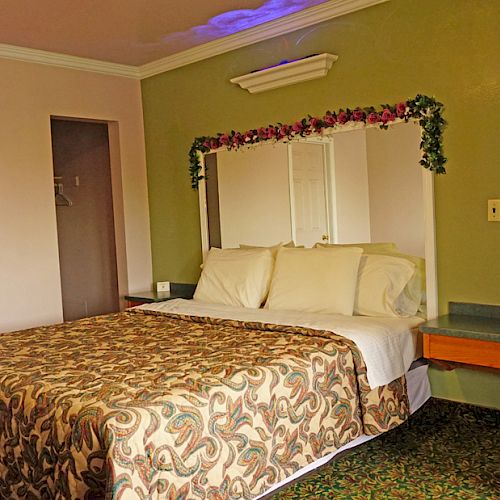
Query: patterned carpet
{"type": "Point", "coordinates": [447, 451]}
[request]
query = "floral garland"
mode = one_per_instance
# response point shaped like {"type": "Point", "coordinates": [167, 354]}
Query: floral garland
{"type": "Point", "coordinates": [422, 108]}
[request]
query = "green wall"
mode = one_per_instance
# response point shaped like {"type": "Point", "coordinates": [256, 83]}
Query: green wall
{"type": "Point", "coordinates": [447, 48]}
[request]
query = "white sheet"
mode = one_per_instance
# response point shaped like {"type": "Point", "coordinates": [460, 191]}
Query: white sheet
{"type": "Point", "coordinates": [387, 345]}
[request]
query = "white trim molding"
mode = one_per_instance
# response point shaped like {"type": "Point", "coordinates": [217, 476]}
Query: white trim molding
{"type": "Point", "coordinates": [308, 68]}
{"type": "Point", "coordinates": [430, 245]}
{"type": "Point", "coordinates": [293, 22]}
{"type": "Point", "coordinates": [303, 19]}
{"type": "Point", "coordinates": [202, 198]}
{"type": "Point", "coordinates": [65, 61]}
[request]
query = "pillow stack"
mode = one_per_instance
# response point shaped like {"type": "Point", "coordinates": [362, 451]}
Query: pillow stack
{"type": "Point", "coordinates": [389, 286]}
{"type": "Point", "coordinates": [369, 279]}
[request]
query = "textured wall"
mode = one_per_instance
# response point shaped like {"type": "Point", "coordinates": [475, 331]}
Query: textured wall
{"type": "Point", "coordinates": [30, 286]}
{"type": "Point", "coordinates": [395, 50]}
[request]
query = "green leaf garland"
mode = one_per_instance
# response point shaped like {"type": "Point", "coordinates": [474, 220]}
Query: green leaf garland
{"type": "Point", "coordinates": [426, 110]}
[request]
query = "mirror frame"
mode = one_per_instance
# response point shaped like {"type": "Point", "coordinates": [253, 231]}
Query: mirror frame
{"type": "Point", "coordinates": [424, 110]}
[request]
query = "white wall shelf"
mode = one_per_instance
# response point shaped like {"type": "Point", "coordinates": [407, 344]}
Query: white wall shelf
{"type": "Point", "coordinates": [308, 68]}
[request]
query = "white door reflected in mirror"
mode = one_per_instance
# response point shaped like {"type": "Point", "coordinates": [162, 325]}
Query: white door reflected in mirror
{"type": "Point", "coordinates": [308, 193]}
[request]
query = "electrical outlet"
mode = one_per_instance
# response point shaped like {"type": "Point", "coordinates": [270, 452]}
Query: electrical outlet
{"type": "Point", "coordinates": [494, 210]}
{"type": "Point", "coordinates": [163, 286]}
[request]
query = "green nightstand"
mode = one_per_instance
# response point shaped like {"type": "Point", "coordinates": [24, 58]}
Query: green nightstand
{"type": "Point", "coordinates": [177, 291]}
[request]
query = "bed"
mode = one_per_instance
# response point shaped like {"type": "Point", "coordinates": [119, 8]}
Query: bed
{"type": "Point", "coordinates": [192, 399]}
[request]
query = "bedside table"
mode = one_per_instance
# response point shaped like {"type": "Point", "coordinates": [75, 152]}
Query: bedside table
{"type": "Point", "coordinates": [469, 334]}
{"type": "Point", "coordinates": [177, 291]}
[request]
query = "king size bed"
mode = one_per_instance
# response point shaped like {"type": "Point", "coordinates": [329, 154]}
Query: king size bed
{"type": "Point", "coordinates": [202, 399]}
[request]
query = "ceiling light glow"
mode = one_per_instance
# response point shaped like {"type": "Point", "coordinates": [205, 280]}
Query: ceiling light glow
{"type": "Point", "coordinates": [235, 21]}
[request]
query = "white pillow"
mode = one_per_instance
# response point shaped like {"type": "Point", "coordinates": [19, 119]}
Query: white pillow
{"type": "Point", "coordinates": [315, 280]}
{"type": "Point", "coordinates": [381, 282]}
{"type": "Point", "coordinates": [367, 247]}
{"type": "Point", "coordinates": [235, 277]}
{"type": "Point", "coordinates": [414, 293]}
{"type": "Point", "coordinates": [274, 248]}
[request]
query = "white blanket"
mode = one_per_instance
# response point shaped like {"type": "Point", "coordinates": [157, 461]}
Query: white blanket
{"type": "Point", "coordinates": [387, 345]}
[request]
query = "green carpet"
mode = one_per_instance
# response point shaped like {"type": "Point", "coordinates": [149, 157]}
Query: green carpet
{"type": "Point", "coordinates": [447, 451]}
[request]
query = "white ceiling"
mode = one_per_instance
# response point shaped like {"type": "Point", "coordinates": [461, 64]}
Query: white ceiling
{"type": "Point", "coordinates": [132, 32]}
{"type": "Point", "coordinates": [139, 38]}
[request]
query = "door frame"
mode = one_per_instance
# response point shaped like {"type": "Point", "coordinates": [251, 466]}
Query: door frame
{"type": "Point", "coordinates": [117, 199]}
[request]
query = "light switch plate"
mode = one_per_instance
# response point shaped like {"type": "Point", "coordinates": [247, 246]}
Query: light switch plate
{"type": "Point", "coordinates": [163, 286]}
{"type": "Point", "coordinates": [494, 210]}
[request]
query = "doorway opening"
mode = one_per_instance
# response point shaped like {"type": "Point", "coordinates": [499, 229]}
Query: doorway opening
{"type": "Point", "coordinates": [85, 217]}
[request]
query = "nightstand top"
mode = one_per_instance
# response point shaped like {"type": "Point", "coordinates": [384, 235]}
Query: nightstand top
{"type": "Point", "coordinates": [177, 291]}
{"type": "Point", "coordinates": [472, 321]}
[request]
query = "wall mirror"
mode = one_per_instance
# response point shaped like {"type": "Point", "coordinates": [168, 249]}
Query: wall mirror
{"type": "Point", "coordinates": [349, 185]}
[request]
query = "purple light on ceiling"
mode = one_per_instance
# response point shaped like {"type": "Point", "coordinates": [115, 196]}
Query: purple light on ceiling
{"type": "Point", "coordinates": [235, 21]}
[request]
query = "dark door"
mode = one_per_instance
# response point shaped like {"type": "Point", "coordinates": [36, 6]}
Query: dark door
{"type": "Point", "coordinates": [85, 223]}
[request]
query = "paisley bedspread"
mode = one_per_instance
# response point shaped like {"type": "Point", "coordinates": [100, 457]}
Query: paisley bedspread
{"type": "Point", "coordinates": [148, 405]}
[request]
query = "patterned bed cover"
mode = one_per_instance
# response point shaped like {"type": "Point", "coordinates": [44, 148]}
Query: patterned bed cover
{"type": "Point", "coordinates": [148, 405]}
